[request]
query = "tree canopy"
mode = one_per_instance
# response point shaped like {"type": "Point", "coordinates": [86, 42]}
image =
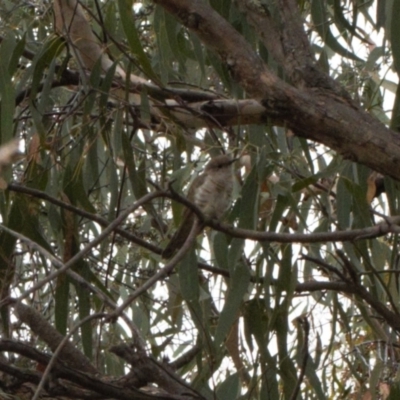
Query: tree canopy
{"type": "Point", "coordinates": [110, 109]}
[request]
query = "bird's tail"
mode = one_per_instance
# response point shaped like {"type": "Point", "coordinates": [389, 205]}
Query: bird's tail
{"type": "Point", "coordinates": [180, 236]}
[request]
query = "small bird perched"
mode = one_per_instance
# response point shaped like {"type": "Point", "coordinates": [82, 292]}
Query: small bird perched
{"type": "Point", "coordinates": [211, 191]}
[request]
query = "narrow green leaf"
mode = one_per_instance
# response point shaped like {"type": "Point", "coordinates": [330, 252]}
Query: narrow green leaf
{"type": "Point", "coordinates": [258, 137]}
{"type": "Point", "coordinates": [392, 193]}
{"type": "Point", "coordinates": [256, 323]}
{"type": "Point", "coordinates": [18, 49]}
{"type": "Point", "coordinates": [235, 253]}
{"type": "Point", "coordinates": [220, 69]}
{"type": "Point", "coordinates": [304, 183]}
{"type": "Point", "coordinates": [91, 166]}
{"type": "Point", "coordinates": [314, 380]}
{"type": "Point", "coordinates": [51, 49]}
{"type": "Point", "coordinates": [7, 106]}
{"type": "Point", "coordinates": [139, 186]}
{"type": "Point", "coordinates": [285, 277]}
{"type": "Point", "coordinates": [395, 122]}
{"type": "Point", "coordinates": [394, 391]}
{"type": "Point", "coordinates": [361, 212]}
{"type": "Point", "coordinates": [287, 367]}
{"type": "Point", "coordinates": [188, 277]}
{"type": "Point", "coordinates": [106, 85]}
{"type": "Point", "coordinates": [6, 50]}
{"type": "Point", "coordinates": [375, 376]}
{"type": "Point", "coordinates": [395, 35]}
{"type": "Point", "coordinates": [61, 306]}
{"type": "Point", "coordinates": [238, 287]}
{"type": "Point", "coordinates": [307, 154]}
{"type": "Point", "coordinates": [94, 83]}
{"type": "Point", "coordinates": [343, 200]}
{"type": "Point", "coordinates": [24, 218]}
{"type": "Point", "coordinates": [248, 216]}
{"type": "Point", "coordinates": [229, 389]}
{"type": "Point", "coordinates": [7, 94]}
{"type": "Point", "coordinates": [172, 28]}
{"type": "Point", "coordinates": [84, 305]}
{"type": "Point", "coordinates": [145, 107]}
{"type": "Point", "coordinates": [341, 21]}
{"type": "Point", "coordinates": [115, 189]}
{"type": "Point", "coordinates": [280, 207]}
{"type": "Point", "coordinates": [321, 23]}
{"type": "Point", "coordinates": [380, 14]}
{"type": "Point", "coordinates": [128, 24]}
{"type": "Point", "coordinates": [199, 54]}
{"type": "Point", "coordinates": [220, 246]}
{"type": "Point", "coordinates": [73, 185]}
{"type": "Point", "coordinates": [164, 52]}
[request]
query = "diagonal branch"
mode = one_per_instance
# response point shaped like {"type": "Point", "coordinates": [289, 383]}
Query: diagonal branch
{"type": "Point", "coordinates": [288, 43]}
{"type": "Point", "coordinates": [92, 382]}
{"type": "Point", "coordinates": [45, 331]}
{"type": "Point", "coordinates": [171, 264]}
{"type": "Point", "coordinates": [313, 114]}
{"type": "Point", "coordinates": [266, 27]}
{"type": "Point", "coordinates": [389, 316]}
{"type": "Point", "coordinates": [82, 253]}
{"type": "Point", "coordinates": [388, 225]}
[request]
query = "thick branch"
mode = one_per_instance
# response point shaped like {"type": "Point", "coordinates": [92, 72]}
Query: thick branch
{"type": "Point", "coordinates": [146, 369]}
{"type": "Point", "coordinates": [313, 114]}
{"type": "Point", "coordinates": [288, 43]}
{"type": "Point", "coordinates": [85, 380]}
{"type": "Point", "coordinates": [265, 25]}
{"type": "Point", "coordinates": [46, 332]}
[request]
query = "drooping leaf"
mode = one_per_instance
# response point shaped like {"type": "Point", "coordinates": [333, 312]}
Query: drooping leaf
{"type": "Point", "coordinates": [239, 285]}
{"type": "Point", "coordinates": [128, 23]}
{"type": "Point", "coordinates": [230, 388]}
{"type": "Point", "coordinates": [188, 277]}
{"type": "Point", "coordinates": [321, 24]}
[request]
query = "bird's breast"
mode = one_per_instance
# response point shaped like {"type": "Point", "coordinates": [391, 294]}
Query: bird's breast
{"type": "Point", "coordinates": [213, 197]}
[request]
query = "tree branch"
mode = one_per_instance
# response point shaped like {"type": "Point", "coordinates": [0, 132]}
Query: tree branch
{"type": "Point", "coordinates": [388, 225]}
{"type": "Point", "coordinates": [345, 287]}
{"type": "Point", "coordinates": [162, 273]}
{"type": "Point", "coordinates": [61, 350]}
{"type": "Point", "coordinates": [314, 114]}
{"type": "Point", "coordinates": [15, 187]}
{"type": "Point", "coordinates": [107, 230]}
{"type": "Point", "coordinates": [46, 332]}
{"type": "Point", "coordinates": [87, 381]}
{"type": "Point", "coordinates": [145, 369]}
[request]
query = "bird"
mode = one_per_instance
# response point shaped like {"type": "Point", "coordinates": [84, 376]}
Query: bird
{"type": "Point", "coordinates": [211, 192]}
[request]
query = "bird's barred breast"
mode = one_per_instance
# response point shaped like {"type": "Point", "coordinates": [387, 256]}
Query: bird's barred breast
{"type": "Point", "coordinates": [214, 195]}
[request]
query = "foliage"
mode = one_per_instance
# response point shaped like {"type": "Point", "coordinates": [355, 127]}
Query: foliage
{"type": "Point", "coordinates": [239, 315]}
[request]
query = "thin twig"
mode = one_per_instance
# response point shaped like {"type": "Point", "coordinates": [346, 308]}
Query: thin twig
{"type": "Point", "coordinates": [389, 225]}
{"type": "Point", "coordinates": [56, 353]}
{"type": "Point", "coordinates": [15, 187]}
{"type": "Point", "coordinates": [325, 266]}
{"type": "Point", "coordinates": [161, 274]}
{"type": "Point", "coordinates": [91, 244]}
{"type": "Point", "coordinates": [57, 263]}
